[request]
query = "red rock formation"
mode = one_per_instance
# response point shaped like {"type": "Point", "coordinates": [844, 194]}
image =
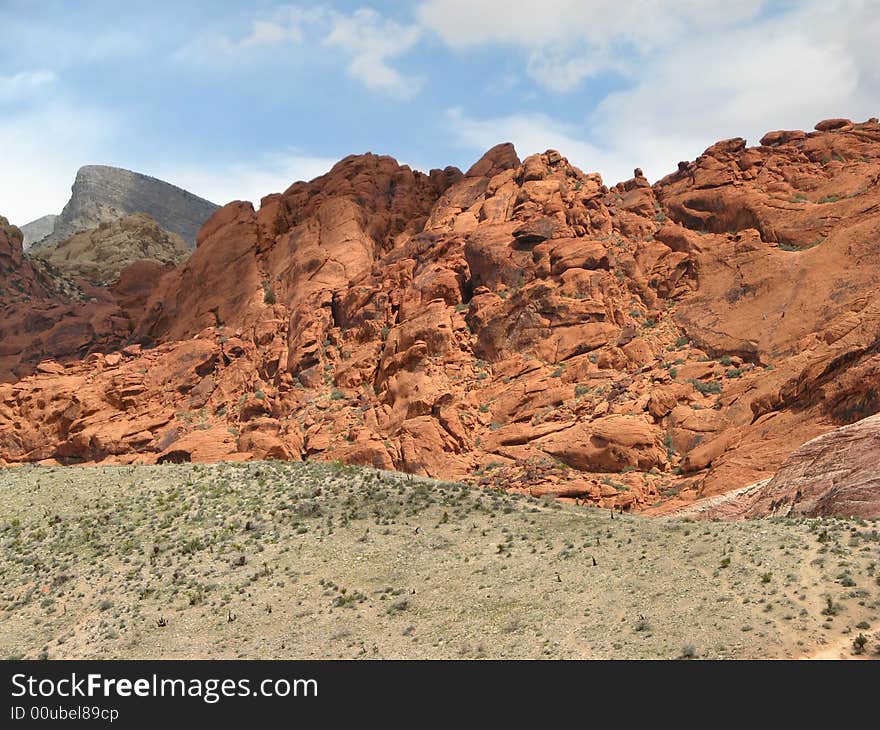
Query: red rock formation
{"type": "Point", "coordinates": [837, 473]}
{"type": "Point", "coordinates": [788, 281]}
{"type": "Point", "coordinates": [521, 325]}
{"type": "Point", "coordinates": [45, 314]}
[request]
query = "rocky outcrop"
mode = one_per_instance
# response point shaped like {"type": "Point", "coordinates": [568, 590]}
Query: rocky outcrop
{"type": "Point", "coordinates": [46, 314]}
{"type": "Point", "coordinates": [37, 230]}
{"type": "Point", "coordinates": [100, 255]}
{"type": "Point", "coordinates": [303, 246]}
{"type": "Point", "coordinates": [102, 194]}
{"type": "Point", "coordinates": [521, 325]}
{"type": "Point", "coordinates": [837, 473]}
{"type": "Point", "coordinates": [783, 238]}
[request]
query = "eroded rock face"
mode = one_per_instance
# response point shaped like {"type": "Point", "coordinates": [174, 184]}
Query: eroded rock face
{"type": "Point", "coordinates": [46, 314]}
{"type": "Point", "coordinates": [102, 194]}
{"type": "Point", "coordinates": [786, 233]}
{"type": "Point", "coordinates": [837, 473]}
{"type": "Point", "coordinates": [37, 230]}
{"type": "Point", "coordinates": [522, 325]}
{"type": "Point", "coordinates": [101, 254]}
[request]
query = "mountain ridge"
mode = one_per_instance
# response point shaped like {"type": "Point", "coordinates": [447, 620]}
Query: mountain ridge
{"type": "Point", "coordinates": [102, 194]}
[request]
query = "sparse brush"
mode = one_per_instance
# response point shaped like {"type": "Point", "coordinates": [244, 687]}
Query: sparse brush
{"type": "Point", "coordinates": [859, 643]}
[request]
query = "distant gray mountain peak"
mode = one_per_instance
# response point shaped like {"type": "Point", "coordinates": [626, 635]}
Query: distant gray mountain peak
{"type": "Point", "coordinates": [102, 194]}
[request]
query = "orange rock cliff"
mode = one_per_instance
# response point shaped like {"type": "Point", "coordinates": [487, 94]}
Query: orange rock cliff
{"type": "Point", "coordinates": [521, 325]}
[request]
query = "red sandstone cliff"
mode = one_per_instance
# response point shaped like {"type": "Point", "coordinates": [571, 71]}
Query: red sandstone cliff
{"type": "Point", "coordinates": [520, 325]}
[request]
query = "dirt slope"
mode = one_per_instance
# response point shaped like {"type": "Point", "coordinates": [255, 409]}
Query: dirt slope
{"type": "Point", "coordinates": [274, 560]}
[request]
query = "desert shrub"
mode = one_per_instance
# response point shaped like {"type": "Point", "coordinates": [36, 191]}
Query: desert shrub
{"type": "Point", "coordinates": [268, 293]}
{"type": "Point", "coordinates": [706, 387]}
{"type": "Point", "coordinates": [859, 643]}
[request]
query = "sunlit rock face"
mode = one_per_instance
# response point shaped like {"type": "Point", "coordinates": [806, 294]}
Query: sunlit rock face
{"type": "Point", "coordinates": [521, 325]}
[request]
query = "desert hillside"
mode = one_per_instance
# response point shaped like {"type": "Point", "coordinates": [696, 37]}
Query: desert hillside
{"type": "Point", "coordinates": [270, 560]}
{"type": "Point", "coordinates": [519, 325]}
{"type": "Point", "coordinates": [101, 254]}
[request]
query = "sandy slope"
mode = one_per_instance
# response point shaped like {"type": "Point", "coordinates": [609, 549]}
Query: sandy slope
{"type": "Point", "coordinates": [272, 559]}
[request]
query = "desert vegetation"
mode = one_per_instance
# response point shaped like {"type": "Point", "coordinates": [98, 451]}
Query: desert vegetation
{"type": "Point", "coordinates": [296, 560]}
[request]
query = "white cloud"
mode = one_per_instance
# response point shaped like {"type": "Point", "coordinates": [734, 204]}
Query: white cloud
{"type": "Point", "coordinates": [556, 23]}
{"type": "Point", "coordinates": [286, 25]}
{"type": "Point", "coordinates": [370, 41]}
{"type": "Point", "coordinates": [224, 182]}
{"type": "Point", "coordinates": [365, 40]}
{"type": "Point", "coordinates": [787, 70]}
{"type": "Point", "coordinates": [24, 84]}
{"type": "Point", "coordinates": [264, 32]}
{"type": "Point", "coordinates": [566, 41]}
{"type": "Point", "coordinates": [560, 72]}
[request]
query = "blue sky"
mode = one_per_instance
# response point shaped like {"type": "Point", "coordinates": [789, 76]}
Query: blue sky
{"type": "Point", "coordinates": [235, 99]}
